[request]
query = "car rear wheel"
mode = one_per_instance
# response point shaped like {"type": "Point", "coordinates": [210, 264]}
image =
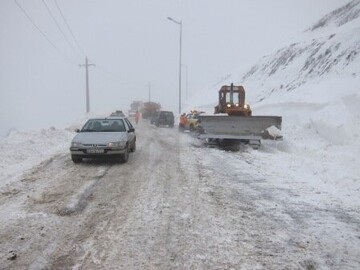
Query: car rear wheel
{"type": "Point", "coordinates": [76, 159]}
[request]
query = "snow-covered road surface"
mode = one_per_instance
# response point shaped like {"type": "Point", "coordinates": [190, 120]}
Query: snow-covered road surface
{"type": "Point", "coordinates": [174, 205]}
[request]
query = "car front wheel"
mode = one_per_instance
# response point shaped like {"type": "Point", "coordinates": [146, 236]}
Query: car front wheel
{"type": "Point", "coordinates": [125, 156]}
{"type": "Point", "coordinates": [76, 159]}
{"type": "Point", "coordinates": [134, 147]}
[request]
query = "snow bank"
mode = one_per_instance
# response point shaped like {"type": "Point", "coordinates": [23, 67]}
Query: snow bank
{"type": "Point", "coordinates": [23, 150]}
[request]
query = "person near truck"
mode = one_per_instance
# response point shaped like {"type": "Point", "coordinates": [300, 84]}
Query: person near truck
{"type": "Point", "coordinates": [183, 120]}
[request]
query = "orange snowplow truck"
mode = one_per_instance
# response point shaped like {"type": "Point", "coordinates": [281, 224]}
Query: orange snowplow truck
{"type": "Point", "coordinates": [232, 101]}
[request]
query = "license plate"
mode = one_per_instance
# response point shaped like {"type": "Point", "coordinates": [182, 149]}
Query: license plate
{"type": "Point", "coordinates": [95, 151]}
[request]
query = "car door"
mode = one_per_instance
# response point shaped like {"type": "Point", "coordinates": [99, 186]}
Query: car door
{"type": "Point", "coordinates": [130, 132]}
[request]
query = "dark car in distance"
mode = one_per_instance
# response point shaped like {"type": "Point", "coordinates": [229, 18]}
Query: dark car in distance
{"type": "Point", "coordinates": [163, 118]}
{"type": "Point", "coordinates": [154, 117]}
{"type": "Point", "coordinates": [117, 113]}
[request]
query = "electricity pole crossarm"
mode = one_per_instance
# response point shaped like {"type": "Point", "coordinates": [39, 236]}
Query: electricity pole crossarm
{"type": "Point", "coordinates": [87, 83]}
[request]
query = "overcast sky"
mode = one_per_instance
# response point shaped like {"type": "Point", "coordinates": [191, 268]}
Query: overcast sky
{"type": "Point", "coordinates": [131, 44]}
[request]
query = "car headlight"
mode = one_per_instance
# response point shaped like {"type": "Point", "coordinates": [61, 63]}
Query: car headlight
{"type": "Point", "coordinates": [237, 104]}
{"type": "Point", "coordinates": [246, 106]}
{"type": "Point", "coordinates": [76, 144]}
{"type": "Point", "coordinates": [228, 105]}
{"type": "Point", "coordinates": [117, 144]}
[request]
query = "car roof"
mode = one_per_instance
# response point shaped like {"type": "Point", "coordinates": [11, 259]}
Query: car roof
{"type": "Point", "coordinates": [167, 111]}
{"type": "Point", "coordinates": [108, 117]}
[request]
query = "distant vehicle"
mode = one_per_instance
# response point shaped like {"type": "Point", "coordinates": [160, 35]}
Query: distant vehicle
{"type": "Point", "coordinates": [192, 120]}
{"type": "Point", "coordinates": [131, 113]}
{"type": "Point", "coordinates": [149, 108]}
{"type": "Point", "coordinates": [164, 118]}
{"type": "Point", "coordinates": [154, 116]}
{"type": "Point", "coordinates": [117, 113]}
{"type": "Point", "coordinates": [136, 105]}
{"type": "Point", "coordinates": [101, 137]}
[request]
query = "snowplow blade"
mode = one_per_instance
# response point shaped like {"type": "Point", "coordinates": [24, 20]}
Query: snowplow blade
{"type": "Point", "coordinates": [239, 127]}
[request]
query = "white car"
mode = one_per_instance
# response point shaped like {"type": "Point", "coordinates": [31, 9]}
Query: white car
{"type": "Point", "coordinates": [100, 137]}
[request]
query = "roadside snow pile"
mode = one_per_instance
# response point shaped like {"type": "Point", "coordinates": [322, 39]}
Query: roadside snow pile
{"type": "Point", "coordinates": [314, 84]}
{"type": "Point", "coordinates": [339, 122]}
{"type": "Point", "coordinates": [23, 150]}
{"type": "Point", "coordinates": [330, 107]}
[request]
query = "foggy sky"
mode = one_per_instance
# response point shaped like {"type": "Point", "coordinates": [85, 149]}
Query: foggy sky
{"type": "Point", "coordinates": [131, 44]}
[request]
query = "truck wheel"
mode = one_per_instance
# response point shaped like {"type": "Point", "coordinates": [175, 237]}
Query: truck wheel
{"type": "Point", "coordinates": [200, 130]}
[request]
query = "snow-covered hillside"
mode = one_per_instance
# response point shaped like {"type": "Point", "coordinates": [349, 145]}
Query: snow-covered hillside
{"type": "Point", "coordinates": [331, 48]}
{"type": "Point", "coordinates": [314, 84]}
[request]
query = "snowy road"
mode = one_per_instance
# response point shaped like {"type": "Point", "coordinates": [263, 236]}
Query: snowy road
{"type": "Point", "coordinates": [174, 205]}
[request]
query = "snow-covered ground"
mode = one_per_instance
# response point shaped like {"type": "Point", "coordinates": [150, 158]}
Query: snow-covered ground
{"type": "Point", "coordinates": [314, 84]}
{"type": "Point", "coordinates": [23, 150]}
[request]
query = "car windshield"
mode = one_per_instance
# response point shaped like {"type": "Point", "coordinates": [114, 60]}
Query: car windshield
{"type": "Point", "coordinates": [104, 125]}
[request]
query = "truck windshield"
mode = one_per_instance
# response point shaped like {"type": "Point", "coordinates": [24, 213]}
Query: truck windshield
{"type": "Point", "coordinates": [235, 97]}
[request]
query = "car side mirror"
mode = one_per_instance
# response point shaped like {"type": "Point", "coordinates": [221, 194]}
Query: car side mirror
{"type": "Point", "coordinates": [77, 130]}
{"type": "Point", "coordinates": [131, 130]}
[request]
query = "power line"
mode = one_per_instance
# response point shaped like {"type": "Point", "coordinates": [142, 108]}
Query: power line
{"type": "Point", "coordinates": [43, 34]}
{"type": "Point", "coordinates": [78, 44]}
{"type": "Point", "coordinates": [63, 34]}
{"type": "Point", "coordinates": [108, 72]}
{"type": "Point", "coordinates": [68, 26]}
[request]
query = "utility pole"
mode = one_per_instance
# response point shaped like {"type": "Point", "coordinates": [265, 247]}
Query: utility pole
{"type": "Point", "coordinates": [87, 83]}
{"type": "Point", "coordinates": [180, 69]}
{"type": "Point", "coordinates": [186, 69]}
{"type": "Point", "coordinates": [180, 24]}
{"type": "Point", "coordinates": [149, 84]}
